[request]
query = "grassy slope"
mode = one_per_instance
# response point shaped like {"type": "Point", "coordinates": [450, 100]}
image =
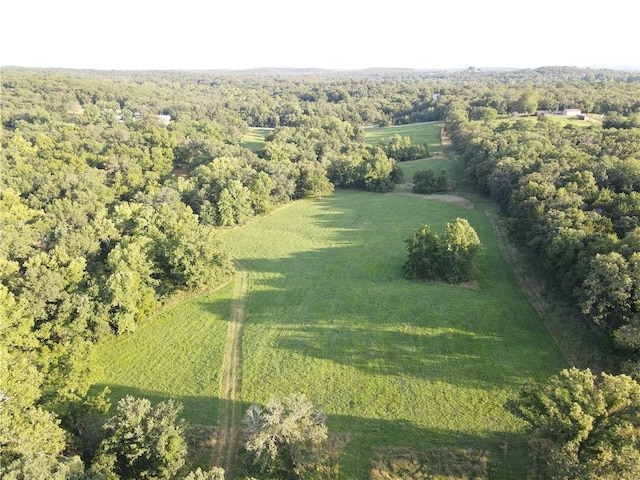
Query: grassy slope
{"type": "Point", "coordinates": [176, 355]}
{"type": "Point", "coordinates": [393, 362]}
{"type": "Point", "coordinates": [254, 140]}
{"type": "Point", "coordinates": [329, 313]}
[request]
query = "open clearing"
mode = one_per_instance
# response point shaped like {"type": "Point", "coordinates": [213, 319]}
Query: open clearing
{"type": "Point", "coordinates": [395, 363]}
{"type": "Point", "coordinates": [254, 140]}
{"type": "Point", "coordinates": [426, 132]}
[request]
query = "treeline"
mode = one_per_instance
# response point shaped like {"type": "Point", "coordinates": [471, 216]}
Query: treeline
{"type": "Point", "coordinates": [572, 194]}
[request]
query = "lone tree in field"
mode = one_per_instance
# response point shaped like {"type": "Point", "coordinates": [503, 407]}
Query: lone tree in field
{"type": "Point", "coordinates": [426, 181]}
{"type": "Point", "coordinates": [287, 437]}
{"type": "Point", "coordinates": [587, 426]}
{"type": "Point", "coordinates": [450, 257]}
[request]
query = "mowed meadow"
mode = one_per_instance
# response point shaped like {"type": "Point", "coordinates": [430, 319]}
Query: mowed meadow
{"type": "Point", "coordinates": [394, 363]}
{"type": "Point", "coordinates": [426, 132]}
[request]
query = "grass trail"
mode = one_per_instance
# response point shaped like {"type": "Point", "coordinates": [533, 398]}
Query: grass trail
{"type": "Point", "coordinates": [231, 378]}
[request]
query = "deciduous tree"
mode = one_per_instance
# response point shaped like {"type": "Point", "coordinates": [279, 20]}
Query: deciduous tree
{"type": "Point", "coordinates": [287, 437]}
{"type": "Point", "coordinates": [451, 257]}
{"type": "Point", "coordinates": [590, 424]}
{"type": "Point", "coordinates": [143, 442]}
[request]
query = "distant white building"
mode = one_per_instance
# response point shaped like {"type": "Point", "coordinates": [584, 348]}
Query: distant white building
{"type": "Point", "coordinates": [165, 119]}
{"type": "Point", "coordinates": [571, 112]}
{"type": "Point", "coordinates": [435, 96]}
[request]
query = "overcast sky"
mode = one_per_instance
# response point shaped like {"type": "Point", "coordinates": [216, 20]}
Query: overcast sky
{"type": "Point", "coordinates": [339, 34]}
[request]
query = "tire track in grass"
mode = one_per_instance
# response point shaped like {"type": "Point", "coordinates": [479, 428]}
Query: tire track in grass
{"type": "Point", "coordinates": [231, 378]}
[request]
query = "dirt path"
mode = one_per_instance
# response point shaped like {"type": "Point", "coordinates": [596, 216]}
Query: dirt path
{"type": "Point", "coordinates": [231, 378]}
{"type": "Point", "coordinates": [440, 197]}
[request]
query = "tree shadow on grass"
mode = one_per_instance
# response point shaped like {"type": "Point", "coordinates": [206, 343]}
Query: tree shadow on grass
{"type": "Point", "coordinates": [197, 409]}
{"type": "Point", "coordinates": [364, 439]}
{"type": "Point", "coordinates": [452, 356]}
{"type": "Point", "coordinates": [215, 305]}
{"type": "Point", "coordinates": [369, 318]}
{"type": "Point", "coordinates": [370, 439]}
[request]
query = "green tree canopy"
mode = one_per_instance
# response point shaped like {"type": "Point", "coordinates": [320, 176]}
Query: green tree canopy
{"type": "Point", "coordinates": [142, 441]}
{"type": "Point", "coordinates": [287, 437]}
{"type": "Point", "coordinates": [426, 181]}
{"type": "Point", "coordinates": [590, 424]}
{"type": "Point", "coordinates": [451, 257]}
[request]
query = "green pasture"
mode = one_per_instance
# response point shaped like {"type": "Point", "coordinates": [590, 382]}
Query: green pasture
{"type": "Point", "coordinates": [393, 362]}
{"type": "Point", "coordinates": [178, 355]}
{"type": "Point", "coordinates": [455, 169]}
{"type": "Point", "coordinates": [427, 132]}
{"type": "Point", "coordinates": [254, 140]}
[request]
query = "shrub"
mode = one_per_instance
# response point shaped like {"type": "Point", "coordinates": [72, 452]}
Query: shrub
{"type": "Point", "coordinates": [450, 257]}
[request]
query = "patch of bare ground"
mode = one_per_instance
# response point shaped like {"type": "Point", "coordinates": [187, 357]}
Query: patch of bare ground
{"type": "Point", "coordinates": [202, 441]}
{"type": "Point", "coordinates": [335, 445]}
{"type": "Point", "coordinates": [440, 463]}
{"type": "Point", "coordinates": [405, 189]}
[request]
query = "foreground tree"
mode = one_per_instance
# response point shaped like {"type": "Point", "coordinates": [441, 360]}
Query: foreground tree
{"type": "Point", "coordinates": [44, 466]}
{"type": "Point", "coordinates": [216, 473]}
{"type": "Point", "coordinates": [588, 426]}
{"type": "Point", "coordinates": [143, 442]}
{"type": "Point", "coordinates": [287, 437]}
{"type": "Point", "coordinates": [451, 257]}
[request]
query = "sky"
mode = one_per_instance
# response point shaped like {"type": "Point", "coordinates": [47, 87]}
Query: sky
{"type": "Point", "coordinates": [330, 34]}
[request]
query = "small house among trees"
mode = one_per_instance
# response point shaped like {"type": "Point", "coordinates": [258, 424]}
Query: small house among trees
{"type": "Point", "coordinates": [571, 112]}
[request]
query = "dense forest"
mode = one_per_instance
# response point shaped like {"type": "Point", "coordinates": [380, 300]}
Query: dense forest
{"type": "Point", "coordinates": [571, 195]}
{"type": "Point", "coordinates": [114, 185]}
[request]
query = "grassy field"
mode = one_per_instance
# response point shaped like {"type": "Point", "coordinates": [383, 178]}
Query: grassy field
{"type": "Point", "coordinates": [176, 355]}
{"type": "Point", "coordinates": [395, 363]}
{"type": "Point", "coordinates": [428, 133]}
{"type": "Point", "coordinates": [255, 138]}
{"type": "Point", "coordinates": [455, 170]}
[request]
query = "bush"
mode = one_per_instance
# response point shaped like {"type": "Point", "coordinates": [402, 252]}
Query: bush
{"type": "Point", "coordinates": [450, 257]}
{"type": "Point", "coordinates": [287, 437]}
{"type": "Point", "coordinates": [426, 181]}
